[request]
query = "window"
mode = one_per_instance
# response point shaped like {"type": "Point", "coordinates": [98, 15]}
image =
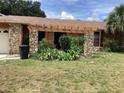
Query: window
{"type": "Point", "coordinates": [96, 39]}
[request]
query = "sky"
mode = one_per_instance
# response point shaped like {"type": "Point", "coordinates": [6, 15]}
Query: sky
{"type": "Point", "coordinates": [79, 9]}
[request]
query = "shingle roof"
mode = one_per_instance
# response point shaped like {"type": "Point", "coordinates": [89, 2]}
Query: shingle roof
{"type": "Point", "coordinates": [53, 22]}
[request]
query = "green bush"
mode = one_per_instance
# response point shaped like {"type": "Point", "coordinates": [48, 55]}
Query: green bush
{"type": "Point", "coordinates": [48, 54]}
{"type": "Point", "coordinates": [76, 52]}
{"type": "Point", "coordinates": [81, 40]}
{"type": "Point", "coordinates": [71, 54]}
{"type": "Point", "coordinates": [35, 56]}
{"type": "Point", "coordinates": [65, 42]}
{"type": "Point", "coordinates": [64, 56]}
{"type": "Point", "coordinates": [106, 49]}
{"type": "Point", "coordinates": [111, 45]}
{"type": "Point", "coordinates": [44, 44]}
{"type": "Point", "coordinates": [72, 51]}
{"type": "Point", "coordinates": [54, 54]}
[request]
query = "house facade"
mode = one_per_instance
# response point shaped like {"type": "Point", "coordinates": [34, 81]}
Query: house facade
{"type": "Point", "coordinates": [18, 30]}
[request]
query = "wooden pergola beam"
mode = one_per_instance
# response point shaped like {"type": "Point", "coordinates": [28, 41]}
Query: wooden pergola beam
{"type": "Point", "coordinates": [66, 29]}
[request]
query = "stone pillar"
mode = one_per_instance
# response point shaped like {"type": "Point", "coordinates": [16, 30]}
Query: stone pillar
{"type": "Point", "coordinates": [33, 41]}
{"type": "Point", "coordinates": [15, 38]}
{"type": "Point", "coordinates": [89, 44]}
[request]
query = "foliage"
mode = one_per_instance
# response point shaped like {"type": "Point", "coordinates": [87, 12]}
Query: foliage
{"type": "Point", "coordinates": [35, 56]}
{"type": "Point", "coordinates": [44, 44]}
{"type": "Point", "coordinates": [115, 25]}
{"type": "Point", "coordinates": [46, 52]}
{"type": "Point", "coordinates": [81, 40]}
{"type": "Point", "coordinates": [66, 42]}
{"type": "Point", "coordinates": [75, 52]}
{"type": "Point", "coordinates": [72, 54]}
{"type": "Point", "coordinates": [115, 21]}
{"type": "Point", "coordinates": [64, 56]}
{"type": "Point", "coordinates": [54, 54]}
{"type": "Point", "coordinates": [111, 45]}
{"type": "Point", "coordinates": [106, 49]}
{"type": "Point", "coordinates": [21, 7]}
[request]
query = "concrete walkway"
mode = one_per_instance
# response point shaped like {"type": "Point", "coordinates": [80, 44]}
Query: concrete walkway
{"type": "Point", "coordinates": [7, 57]}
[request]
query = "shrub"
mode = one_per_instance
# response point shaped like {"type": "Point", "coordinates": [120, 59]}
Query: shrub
{"type": "Point", "coordinates": [65, 42]}
{"type": "Point", "coordinates": [54, 54]}
{"type": "Point", "coordinates": [81, 40]}
{"type": "Point", "coordinates": [71, 52]}
{"type": "Point", "coordinates": [44, 44]}
{"type": "Point", "coordinates": [74, 52]}
{"type": "Point", "coordinates": [63, 56]}
{"type": "Point", "coordinates": [106, 49]}
{"type": "Point", "coordinates": [49, 54]}
{"type": "Point", "coordinates": [111, 45]}
{"type": "Point", "coordinates": [35, 56]}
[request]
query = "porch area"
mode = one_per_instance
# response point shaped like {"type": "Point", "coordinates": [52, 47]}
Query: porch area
{"type": "Point", "coordinates": [51, 33]}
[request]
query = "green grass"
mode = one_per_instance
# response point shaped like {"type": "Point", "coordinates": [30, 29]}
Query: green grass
{"type": "Point", "coordinates": [102, 73]}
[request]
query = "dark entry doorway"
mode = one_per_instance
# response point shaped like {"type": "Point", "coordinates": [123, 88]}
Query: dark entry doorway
{"type": "Point", "coordinates": [25, 35]}
{"type": "Point", "coordinates": [57, 35]}
{"type": "Point", "coordinates": [41, 35]}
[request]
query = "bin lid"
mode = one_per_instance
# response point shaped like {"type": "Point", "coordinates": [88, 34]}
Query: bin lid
{"type": "Point", "coordinates": [23, 45]}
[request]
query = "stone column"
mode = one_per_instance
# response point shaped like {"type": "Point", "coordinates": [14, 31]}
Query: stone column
{"type": "Point", "coordinates": [89, 44]}
{"type": "Point", "coordinates": [33, 41]}
{"type": "Point", "coordinates": [15, 38]}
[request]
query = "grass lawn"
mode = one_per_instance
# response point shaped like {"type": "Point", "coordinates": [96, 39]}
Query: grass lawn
{"type": "Point", "coordinates": [103, 73]}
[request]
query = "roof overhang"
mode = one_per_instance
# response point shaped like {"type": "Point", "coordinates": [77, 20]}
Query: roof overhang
{"type": "Point", "coordinates": [55, 25]}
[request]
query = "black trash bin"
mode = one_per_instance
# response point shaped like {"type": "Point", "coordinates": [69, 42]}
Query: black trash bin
{"type": "Point", "coordinates": [24, 50]}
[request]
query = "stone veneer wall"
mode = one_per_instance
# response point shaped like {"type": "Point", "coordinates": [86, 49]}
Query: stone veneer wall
{"type": "Point", "coordinates": [15, 38]}
{"type": "Point", "coordinates": [89, 47]}
{"type": "Point", "coordinates": [33, 41]}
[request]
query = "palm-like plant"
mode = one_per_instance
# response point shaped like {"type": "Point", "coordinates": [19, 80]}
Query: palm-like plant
{"type": "Point", "coordinates": [115, 21]}
{"type": "Point", "coordinates": [115, 24]}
